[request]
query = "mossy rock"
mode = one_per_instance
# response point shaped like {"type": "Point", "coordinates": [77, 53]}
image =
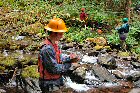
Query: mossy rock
{"type": "Point", "coordinates": [107, 47]}
{"type": "Point", "coordinates": [34, 60]}
{"type": "Point", "coordinates": [2, 68]}
{"type": "Point", "coordinates": [14, 47]}
{"type": "Point", "coordinates": [90, 39]}
{"type": "Point", "coordinates": [98, 47]}
{"type": "Point", "coordinates": [3, 43]}
{"type": "Point", "coordinates": [25, 59]}
{"type": "Point", "coordinates": [123, 54]}
{"type": "Point", "coordinates": [98, 40]}
{"type": "Point", "coordinates": [2, 57]}
{"type": "Point", "coordinates": [8, 61]}
{"type": "Point", "coordinates": [31, 71]}
{"type": "Point", "coordinates": [101, 41]}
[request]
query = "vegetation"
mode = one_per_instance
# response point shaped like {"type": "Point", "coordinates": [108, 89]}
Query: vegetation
{"type": "Point", "coordinates": [30, 71]}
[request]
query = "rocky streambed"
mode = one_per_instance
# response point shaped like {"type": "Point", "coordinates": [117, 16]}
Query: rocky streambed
{"type": "Point", "coordinates": [102, 70]}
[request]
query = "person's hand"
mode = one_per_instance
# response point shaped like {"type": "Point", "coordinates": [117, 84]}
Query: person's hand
{"type": "Point", "coordinates": [75, 65]}
{"type": "Point", "coordinates": [74, 58]}
{"type": "Point", "coordinates": [72, 55]}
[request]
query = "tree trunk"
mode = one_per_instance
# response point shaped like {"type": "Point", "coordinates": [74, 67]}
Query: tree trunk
{"type": "Point", "coordinates": [128, 8]}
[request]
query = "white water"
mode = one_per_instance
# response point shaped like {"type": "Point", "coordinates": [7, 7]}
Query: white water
{"type": "Point", "coordinates": [89, 59]}
{"type": "Point", "coordinates": [89, 77]}
{"type": "Point", "coordinates": [75, 86]}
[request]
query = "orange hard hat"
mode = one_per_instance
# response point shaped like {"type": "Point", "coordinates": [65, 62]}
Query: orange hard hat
{"type": "Point", "coordinates": [56, 25]}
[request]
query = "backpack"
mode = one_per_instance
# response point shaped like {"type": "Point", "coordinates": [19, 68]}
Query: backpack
{"type": "Point", "coordinates": [124, 29]}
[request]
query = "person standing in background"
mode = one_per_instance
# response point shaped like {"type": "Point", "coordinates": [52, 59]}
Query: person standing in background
{"type": "Point", "coordinates": [123, 32]}
{"type": "Point", "coordinates": [83, 16]}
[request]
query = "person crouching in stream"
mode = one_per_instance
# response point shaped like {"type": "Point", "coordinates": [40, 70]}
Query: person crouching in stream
{"type": "Point", "coordinates": [51, 64]}
{"type": "Point", "coordinates": [123, 32]}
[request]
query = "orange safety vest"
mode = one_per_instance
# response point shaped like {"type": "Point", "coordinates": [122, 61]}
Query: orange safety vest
{"type": "Point", "coordinates": [44, 74]}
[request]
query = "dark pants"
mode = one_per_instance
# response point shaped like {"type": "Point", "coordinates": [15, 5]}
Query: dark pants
{"type": "Point", "coordinates": [123, 37]}
{"type": "Point", "coordinates": [50, 86]}
{"type": "Point", "coordinates": [122, 40]}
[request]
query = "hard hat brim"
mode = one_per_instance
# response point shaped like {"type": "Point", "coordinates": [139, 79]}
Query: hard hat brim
{"type": "Point", "coordinates": [56, 30]}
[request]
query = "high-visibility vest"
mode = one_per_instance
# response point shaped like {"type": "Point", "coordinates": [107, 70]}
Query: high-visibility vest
{"type": "Point", "coordinates": [44, 74]}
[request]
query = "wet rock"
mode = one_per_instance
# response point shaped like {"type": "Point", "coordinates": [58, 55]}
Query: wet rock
{"type": "Point", "coordinates": [74, 77]}
{"type": "Point", "coordinates": [134, 76]}
{"type": "Point", "coordinates": [74, 44]}
{"type": "Point", "coordinates": [80, 46]}
{"type": "Point", "coordinates": [14, 90]}
{"type": "Point", "coordinates": [2, 91]}
{"type": "Point", "coordinates": [122, 63]}
{"type": "Point", "coordinates": [137, 83]}
{"type": "Point", "coordinates": [136, 64]}
{"type": "Point", "coordinates": [107, 61]}
{"type": "Point", "coordinates": [93, 90]}
{"type": "Point", "coordinates": [94, 53]}
{"type": "Point", "coordinates": [84, 49]}
{"type": "Point", "coordinates": [114, 54]}
{"type": "Point", "coordinates": [103, 51]}
{"type": "Point", "coordinates": [32, 85]}
{"type": "Point", "coordinates": [118, 74]}
{"type": "Point", "coordinates": [126, 84]}
{"type": "Point", "coordinates": [135, 90]}
{"type": "Point", "coordinates": [80, 71]}
{"type": "Point", "coordinates": [67, 90]}
{"type": "Point", "coordinates": [67, 46]}
{"type": "Point", "coordinates": [118, 89]}
{"type": "Point", "coordinates": [134, 58]}
{"type": "Point", "coordinates": [129, 58]}
{"type": "Point", "coordinates": [22, 44]}
{"type": "Point", "coordinates": [103, 74]}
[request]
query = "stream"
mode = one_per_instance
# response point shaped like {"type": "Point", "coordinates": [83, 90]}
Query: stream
{"type": "Point", "coordinates": [100, 72]}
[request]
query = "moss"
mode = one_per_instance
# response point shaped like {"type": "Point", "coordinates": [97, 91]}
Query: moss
{"type": "Point", "coordinates": [8, 61]}
{"type": "Point", "coordinates": [123, 54]}
{"type": "Point", "coordinates": [97, 47]}
{"type": "Point", "coordinates": [31, 71]}
{"type": "Point", "coordinates": [2, 68]}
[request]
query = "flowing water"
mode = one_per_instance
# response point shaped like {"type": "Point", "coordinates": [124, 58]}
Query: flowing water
{"type": "Point", "coordinates": [90, 82]}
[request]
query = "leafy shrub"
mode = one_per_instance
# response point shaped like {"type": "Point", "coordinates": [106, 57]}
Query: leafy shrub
{"type": "Point", "coordinates": [113, 38]}
{"type": "Point", "coordinates": [135, 31]}
{"type": "Point", "coordinates": [79, 35]}
{"type": "Point", "coordinates": [137, 50]}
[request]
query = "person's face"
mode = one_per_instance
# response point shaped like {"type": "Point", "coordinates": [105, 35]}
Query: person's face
{"type": "Point", "coordinates": [59, 35]}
